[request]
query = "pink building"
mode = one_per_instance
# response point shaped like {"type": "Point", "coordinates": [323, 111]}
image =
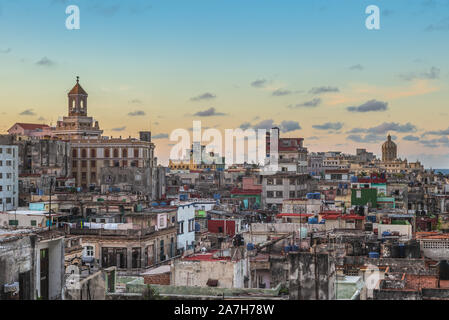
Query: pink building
{"type": "Point", "coordinates": [31, 130]}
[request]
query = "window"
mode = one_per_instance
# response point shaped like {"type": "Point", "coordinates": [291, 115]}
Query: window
{"type": "Point", "coordinates": [107, 153]}
{"type": "Point", "coordinates": [279, 194]}
{"type": "Point", "coordinates": [136, 252]}
{"type": "Point", "coordinates": [115, 153]}
{"type": "Point", "coordinates": [8, 163]}
{"type": "Point", "coordinates": [83, 153]}
{"type": "Point", "coordinates": [136, 153]}
{"type": "Point", "coordinates": [83, 164]}
{"type": "Point", "coordinates": [191, 225]}
{"type": "Point", "coordinates": [270, 194]}
{"type": "Point", "coordinates": [13, 222]}
{"type": "Point", "coordinates": [33, 223]}
{"type": "Point", "coordinates": [278, 181]}
{"type": "Point", "coordinates": [270, 181]}
{"type": "Point", "coordinates": [292, 194]}
{"type": "Point", "coordinates": [1, 188]}
{"type": "Point", "coordinates": [93, 163]}
{"type": "Point", "coordinates": [93, 153]}
{"type": "Point", "coordinates": [181, 227]}
{"type": "Point", "coordinates": [74, 153]}
{"type": "Point", "coordinates": [8, 200]}
{"type": "Point", "coordinates": [74, 164]}
{"type": "Point", "coordinates": [8, 175]}
{"type": "Point", "coordinates": [8, 151]}
{"type": "Point", "coordinates": [125, 153]}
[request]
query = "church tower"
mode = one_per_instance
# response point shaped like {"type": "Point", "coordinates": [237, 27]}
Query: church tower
{"type": "Point", "coordinates": [77, 100]}
{"type": "Point", "coordinates": [77, 124]}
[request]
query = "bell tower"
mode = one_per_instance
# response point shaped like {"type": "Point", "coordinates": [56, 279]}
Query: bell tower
{"type": "Point", "coordinates": [77, 100]}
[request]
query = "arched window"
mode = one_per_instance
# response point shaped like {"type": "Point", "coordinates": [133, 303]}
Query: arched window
{"type": "Point", "coordinates": [74, 153]}
{"type": "Point", "coordinates": [83, 153]}
{"type": "Point", "coordinates": [125, 153]}
{"type": "Point", "coordinates": [115, 153]}
{"type": "Point", "coordinates": [93, 153]}
{"type": "Point", "coordinates": [107, 153]}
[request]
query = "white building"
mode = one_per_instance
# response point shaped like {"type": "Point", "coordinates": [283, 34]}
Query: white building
{"type": "Point", "coordinates": [9, 177]}
{"type": "Point", "coordinates": [186, 226]}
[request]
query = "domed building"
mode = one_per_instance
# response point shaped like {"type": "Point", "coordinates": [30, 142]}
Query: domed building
{"type": "Point", "coordinates": [389, 150]}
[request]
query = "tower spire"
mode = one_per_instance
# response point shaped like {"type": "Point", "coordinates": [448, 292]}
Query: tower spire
{"type": "Point", "coordinates": [77, 79]}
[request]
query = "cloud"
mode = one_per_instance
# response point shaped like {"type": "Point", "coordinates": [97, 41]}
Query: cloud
{"type": "Point", "coordinates": [259, 83]}
{"type": "Point", "coordinates": [320, 90]}
{"type": "Point", "coordinates": [209, 113]}
{"type": "Point", "coordinates": [410, 138]}
{"type": "Point", "coordinates": [45, 62]}
{"type": "Point", "coordinates": [160, 136]}
{"type": "Point", "coordinates": [119, 129]}
{"type": "Point", "coordinates": [265, 124]}
{"type": "Point", "coordinates": [137, 113]}
{"type": "Point", "coordinates": [313, 138]}
{"type": "Point", "coordinates": [245, 125]}
{"type": "Point", "coordinates": [8, 50]}
{"type": "Point", "coordinates": [308, 104]}
{"type": "Point", "coordinates": [204, 96]}
{"type": "Point", "coordinates": [442, 25]}
{"type": "Point", "coordinates": [369, 138]}
{"type": "Point", "coordinates": [386, 127]}
{"type": "Point", "coordinates": [41, 119]}
{"type": "Point", "coordinates": [288, 126]}
{"type": "Point", "coordinates": [280, 92]}
{"type": "Point", "coordinates": [135, 101]}
{"type": "Point", "coordinates": [432, 74]}
{"type": "Point", "coordinates": [328, 126]}
{"type": "Point", "coordinates": [356, 67]}
{"type": "Point", "coordinates": [437, 132]}
{"type": "Point", "coordinates": [27, 112]}
{"type": "Point", "coordinates": [435, 143]}
{"type": "Point", "coordinates": [369, 106]}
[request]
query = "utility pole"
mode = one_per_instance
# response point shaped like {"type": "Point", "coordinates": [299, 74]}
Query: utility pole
{"type": "Point", "coordinates": [49, 209]}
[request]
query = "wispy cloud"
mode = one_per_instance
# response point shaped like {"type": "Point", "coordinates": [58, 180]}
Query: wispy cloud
{"type": "Point", "coordinates": [356, 67]}
{"type": "Point", "coordinates": [288, 126]}
{"type": "Point", "coordinates": [329, 126]}
{"type": "Point", "coordinates": [7, 50]}
{"type": "Point", "coordinates": [211, 112]}
{"type": "Point", "coordinates": [410, 138]}
{"type": "Point", "coordinates": [308, 104]}
{"type": "Point", "coordinates": [320, 90]}
{"type": "Point", "coordinates": [135, 101]}
{"type": "Point", "coordinates": [160, 136]}
{"type": "Point", "coordinates": [281, 92]}
{"type": "Point", "coordinates": [119, 129]}
{"type": "Point", "coordinates": [433, 73]}
{"type": "Point", "coordinates": [386, 127]}
{"type": "Point", "coordinates": [137, 113]}
{"type": "Point", "coordinates": [45, 62]}
{"type": "Point", "coordinates": [204, 96]}
{"type": "Point", "coordinates": [369, 106]}
{"type": "Point", "coordinates": [260, 83]}
{"type": "Point", "coordinates": [27, 112]}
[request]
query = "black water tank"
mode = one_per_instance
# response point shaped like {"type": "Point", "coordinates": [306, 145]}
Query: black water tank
{"type": "Point", "coordinates": [443, 270]}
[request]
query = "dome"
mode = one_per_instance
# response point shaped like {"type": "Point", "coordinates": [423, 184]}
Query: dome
{"type": "Point", "coordinates": [389, 150]}
{"type": "Point", "coordinates": [389, 143]}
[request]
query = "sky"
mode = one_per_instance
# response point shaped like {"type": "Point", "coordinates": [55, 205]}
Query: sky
{"type": "Point", "coordinates": [311, 68]}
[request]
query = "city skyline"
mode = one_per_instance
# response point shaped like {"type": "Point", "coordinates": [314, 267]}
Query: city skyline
{"type": "Point", "coordinates": [161, 66]}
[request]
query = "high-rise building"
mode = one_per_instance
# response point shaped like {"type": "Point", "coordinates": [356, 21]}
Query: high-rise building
{"type": "Point", "coordinates": [9, 177]}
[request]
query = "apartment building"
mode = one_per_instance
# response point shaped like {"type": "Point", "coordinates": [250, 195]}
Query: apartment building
{"type": "Point", "coordinates": [9, 177]}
